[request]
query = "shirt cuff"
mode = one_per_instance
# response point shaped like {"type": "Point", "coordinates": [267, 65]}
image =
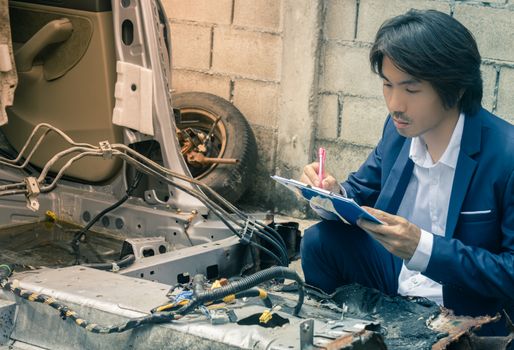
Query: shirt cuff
{"type": "Point", "coordinates": [421, 257]}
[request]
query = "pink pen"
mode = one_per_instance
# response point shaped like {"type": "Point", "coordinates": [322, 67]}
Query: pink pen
{"type": "Point", "coordinates": [321, 171]}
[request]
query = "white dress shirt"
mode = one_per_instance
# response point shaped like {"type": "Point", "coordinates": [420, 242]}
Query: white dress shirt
{"type": "Point", "coordinates": [425, 204]}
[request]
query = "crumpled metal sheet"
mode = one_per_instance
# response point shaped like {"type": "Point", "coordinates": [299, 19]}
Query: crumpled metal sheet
{"type": "Point", "coordinates": [360, 340]}
{"type": "Point", "coordinates": [415, 323]}
{"type": "Point", "coordinates": [459, 330]}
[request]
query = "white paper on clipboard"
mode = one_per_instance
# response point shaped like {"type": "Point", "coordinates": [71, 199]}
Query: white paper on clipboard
{"type": "Point", "coordinates": [345, 208]}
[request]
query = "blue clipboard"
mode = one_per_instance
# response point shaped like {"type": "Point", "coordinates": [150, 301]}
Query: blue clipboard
{"type": "Point", "coordinates": [345, 207]}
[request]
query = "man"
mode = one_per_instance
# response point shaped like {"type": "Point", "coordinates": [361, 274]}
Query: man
{"type": "Point", "coordinates": [441, 180]}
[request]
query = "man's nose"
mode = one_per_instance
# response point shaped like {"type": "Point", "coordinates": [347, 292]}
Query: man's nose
{"type": "Point", "coordinates": [396, 102]}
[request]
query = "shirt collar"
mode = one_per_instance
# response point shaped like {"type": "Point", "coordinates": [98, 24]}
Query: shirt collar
{"type": "Point", "coordinates": [419, 154]}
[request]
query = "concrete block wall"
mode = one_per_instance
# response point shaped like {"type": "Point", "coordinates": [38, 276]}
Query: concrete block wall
{"type": "Point", "coordinates": [299, 71]}
{"type": "Point", "coordinates": [233, 49]}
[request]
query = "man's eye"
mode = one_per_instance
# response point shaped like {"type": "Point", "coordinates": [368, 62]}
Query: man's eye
{"type": "Point", "coordinates": [387, 85]}
{"type": "Point", "coordinates": [412, 91]}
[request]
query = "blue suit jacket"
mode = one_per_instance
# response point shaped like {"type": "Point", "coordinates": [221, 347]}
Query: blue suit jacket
{"type": "Point", "coordinates": [474, 261]}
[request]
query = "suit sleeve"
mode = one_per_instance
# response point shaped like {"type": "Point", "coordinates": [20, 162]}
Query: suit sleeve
{"type": "Point", "coordinates": [477, 269]}
{"type": "Point", "coordinates": [364, 185]}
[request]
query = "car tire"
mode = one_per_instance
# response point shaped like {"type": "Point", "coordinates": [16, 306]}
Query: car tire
{"type": "Point", "coordinates": [235, 140]}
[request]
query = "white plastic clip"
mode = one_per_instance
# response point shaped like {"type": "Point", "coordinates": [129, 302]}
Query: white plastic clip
{"type": "Point", "coordinates": [105, 146]}
{"type": "Point", "coordinates": [247, 232]}
{"type": "Point", "coordinates": [32, 193]}
{"type": "Point", "coordinates": [115, 267]}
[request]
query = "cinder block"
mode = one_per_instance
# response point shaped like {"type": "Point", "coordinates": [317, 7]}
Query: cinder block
{"type": "Point", "coordinates": [249, 54]}
{"type": "Point", "coordinates": [258, 101]}
{"type": "Point", "coordinates": [328, 116]}
{"type": "Point", "coordinates": [183, 80]}
{"type": "Point", "coordinates": [493, 29]}
{"type": "Point", "coordinates": [191, 46]}
{"type": "Point", "coordinates": [264, 14]}
{"type": "Point", "coordinates": [340, 19]}
{"type": "Point", "coordinates": [219, 11]}
{"type": "Point", "coordinates": [506, 94]}
{"type": "Point", "coordinates": [489, 79]}
{"type": "Point", "coordinates": [363, 120]}
{"type": "Point", "coordinates": [372, 13]}
{"type": "Point", "coordinates": [347, 69]}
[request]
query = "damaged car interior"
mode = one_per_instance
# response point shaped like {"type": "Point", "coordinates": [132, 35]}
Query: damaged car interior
{"type": "Point", "coordinates": [117, 223]}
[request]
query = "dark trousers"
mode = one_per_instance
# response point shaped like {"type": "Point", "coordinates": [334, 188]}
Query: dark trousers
{"type": "Point", "coordinates": [335, 254]}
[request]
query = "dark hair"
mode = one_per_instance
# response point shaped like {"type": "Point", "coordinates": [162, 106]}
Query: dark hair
{"type": "Point", "coordinates": [433, 46]}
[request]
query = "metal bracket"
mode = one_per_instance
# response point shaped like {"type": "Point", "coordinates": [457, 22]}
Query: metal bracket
{"type": "Point", "coordinates": [307, 335]}
{"type": "Point", "coordinates": [145, 247]}
{"type": "Point", "coordinates": [152, 198]}
{"type": "Point", "coordinates": [32, 193]}
{"type": "Point", "coordinates": [105, 146]}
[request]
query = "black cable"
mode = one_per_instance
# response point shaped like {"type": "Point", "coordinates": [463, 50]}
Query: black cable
{"type": "Point", "coordinates": [255, 292]}
{"type": "Point", "coordinates": [75, 243]}
{"type": "Point", "coordinates": [216, 209]}
{"type": "Point", "coordinates": [268, 252]}
{"type": "Point", "coordinates": [276, 236]}
{"type": "Point", "coordinates": [245, 284]}
{"type": "Point", "coordinates": [280, 245]}
{"type": "Point", "coordinates": [125, 262]}
{"type": "Point", "coordinates": [240, 213]}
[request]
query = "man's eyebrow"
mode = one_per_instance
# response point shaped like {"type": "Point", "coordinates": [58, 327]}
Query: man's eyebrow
{"type": "Point", "coordinates": [404, 82]}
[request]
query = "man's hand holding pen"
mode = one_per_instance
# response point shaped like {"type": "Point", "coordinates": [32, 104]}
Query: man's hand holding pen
{"type": "Point", "coordinates": [310, 177]}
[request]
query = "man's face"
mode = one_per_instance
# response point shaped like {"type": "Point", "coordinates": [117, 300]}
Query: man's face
{"type": "Point", "coordinates": [414, 104]}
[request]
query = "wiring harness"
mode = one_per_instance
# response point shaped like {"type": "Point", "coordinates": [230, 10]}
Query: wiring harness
{"type": "Point", "coordinates": [195, 301]}
{"type": "Point", "coordinates": [239, 223]}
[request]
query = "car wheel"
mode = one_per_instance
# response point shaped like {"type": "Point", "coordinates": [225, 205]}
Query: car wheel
{"type": "Point", "coordinates": [211, 127]}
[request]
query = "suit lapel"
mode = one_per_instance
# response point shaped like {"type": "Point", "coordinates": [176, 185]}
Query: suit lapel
{"type": "Point", "coordinates": [466, 166]}
{"type": "Point", "coordinates": [397, 181]}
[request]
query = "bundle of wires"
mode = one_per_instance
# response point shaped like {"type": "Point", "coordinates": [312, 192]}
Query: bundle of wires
{"type": "Point", "coordinates": [238, 222]}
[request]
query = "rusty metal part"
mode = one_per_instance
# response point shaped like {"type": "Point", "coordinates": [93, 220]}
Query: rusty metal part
{"type": "Point", "coordinates": [196, 139]}
{"type": "Point", "coordinates": [474, 342]}
{"type": "Point", "coordinates": [186, 147]}
{"type": "Point", "coordinates": [190, 139]}
{"type": "Point", "coordinates": [359, 340]}
{"type": "Point", "coordinates": [198, 159]}
{"type": "Point", "coordinates": [460, 336]}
